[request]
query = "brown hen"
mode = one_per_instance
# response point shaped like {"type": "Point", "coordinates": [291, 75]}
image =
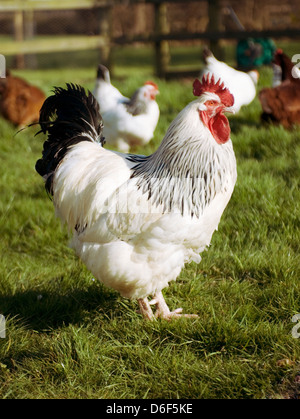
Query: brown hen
{"type": "Point", "coordinates": [281, 104]}
{"type": "Point", "coordinates": [20, 102]}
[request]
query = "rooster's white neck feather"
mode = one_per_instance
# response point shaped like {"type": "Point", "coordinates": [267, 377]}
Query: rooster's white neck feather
{"type": "Point", "coordinates": [189, 168]}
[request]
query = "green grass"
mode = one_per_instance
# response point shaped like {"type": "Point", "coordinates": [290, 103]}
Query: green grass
{"type": "Point", "coordinates": [70, 337]}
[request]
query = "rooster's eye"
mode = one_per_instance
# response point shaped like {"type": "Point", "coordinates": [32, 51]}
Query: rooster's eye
{"type": "Point", "coordinates": [210, 102]}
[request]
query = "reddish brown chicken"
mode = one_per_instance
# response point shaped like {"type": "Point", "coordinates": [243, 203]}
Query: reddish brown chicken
{"type": "Point", "coordinates": [281, 104]}
{"type": "Point", "coordinates": [20, 102]}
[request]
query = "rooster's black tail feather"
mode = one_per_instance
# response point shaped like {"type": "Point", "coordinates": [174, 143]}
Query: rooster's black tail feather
{"type": "Point", "coordinates": [103, 73]}
{"type": "Point", "coordinates": [68, 117]}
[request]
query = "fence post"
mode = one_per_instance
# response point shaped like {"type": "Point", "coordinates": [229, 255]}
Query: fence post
{"type": "Point", "coordinates": [19, 36]}
{"type": "Point", "coordinates": [162, 53]}
{"type": "Point", "coordinates": [29, 32]}
{"type": "Point", "coordinates": [105, 31]}
{"type": "Point", "coordinates": [214, 25]}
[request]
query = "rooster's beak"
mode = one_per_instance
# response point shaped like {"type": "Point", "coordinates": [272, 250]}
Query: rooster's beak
{"type": "Point", "coordinates": [229, 109]}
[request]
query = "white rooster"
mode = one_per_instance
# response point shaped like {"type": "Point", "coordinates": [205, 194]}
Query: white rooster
{"type": "Point", "coordinates": [127, 122]}
{"type": "Point", "coordinates": [136, 220]}
{"type": "Point", "coordinates": [242, 85]}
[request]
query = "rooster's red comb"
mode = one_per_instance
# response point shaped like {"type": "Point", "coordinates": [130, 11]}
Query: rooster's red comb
{"type": "Point", "coordinates": [209, 85]}
{"type": "Point", "coordinates": [151, 83]}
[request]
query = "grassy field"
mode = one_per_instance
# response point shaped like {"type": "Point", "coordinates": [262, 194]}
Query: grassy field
{"type": "Point", "coordinates": [67, 336]}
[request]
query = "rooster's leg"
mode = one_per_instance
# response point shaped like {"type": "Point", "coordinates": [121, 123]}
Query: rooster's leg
{"type": "Point", "coordinates": [163, 311]}
{"type": "Point", "coordinates": [145, 308]}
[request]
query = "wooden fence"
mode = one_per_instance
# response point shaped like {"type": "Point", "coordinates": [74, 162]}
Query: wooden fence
{"type": "Point", "coordinates": [105, 41]}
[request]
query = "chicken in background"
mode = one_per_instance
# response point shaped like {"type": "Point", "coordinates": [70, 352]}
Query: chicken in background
{"type": "Point", "coordinates": [241, 85]}
{"type": "Point", "coordinates": [127, 122]}
{"type": "Point", "coordinates": [281, 102]}
{"type": "Point", "coordinates": [136, 220]}
{"type": "Point", "coordinates": [20, 102]}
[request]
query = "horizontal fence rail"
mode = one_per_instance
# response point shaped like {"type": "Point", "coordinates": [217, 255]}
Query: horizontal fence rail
{"type": "Point", "coordinates": [184, 36]}
{"type": "Point", "coordinates": [55, 44]}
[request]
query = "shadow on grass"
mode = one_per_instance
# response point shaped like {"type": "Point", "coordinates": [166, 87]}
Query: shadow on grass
{"type": "Point", "coordinates": [43, 310]}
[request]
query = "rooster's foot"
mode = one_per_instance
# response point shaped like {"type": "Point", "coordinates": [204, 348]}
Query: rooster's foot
{"type": "Point", "coordinates": [163, 311]}
{"type": "Point", "coordinates": [145, 308]}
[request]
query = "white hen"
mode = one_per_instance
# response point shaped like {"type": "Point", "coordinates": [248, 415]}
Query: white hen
{"type": "Point", "coordinates": [127, 122]}
{"type": "Point", "coordinates": [136, 220]}
{"type": "Point", "coordinates": [242, 85]}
